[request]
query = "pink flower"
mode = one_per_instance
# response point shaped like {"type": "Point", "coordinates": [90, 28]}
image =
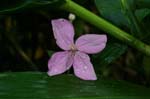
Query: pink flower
{"type": "Point", "coordinates": [74, 53]}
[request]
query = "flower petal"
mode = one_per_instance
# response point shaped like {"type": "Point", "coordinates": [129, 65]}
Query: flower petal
{"type": "Point", "coordinates": [83, 67]}
{"type": "Point", "coordinates": [59, 63]}
{"type": "Point", "coordinates": [63, 33]}
{"type": "Point", "coordinates": [91, 43]}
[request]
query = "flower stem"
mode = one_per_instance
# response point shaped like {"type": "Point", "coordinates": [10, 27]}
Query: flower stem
{"type": "Point", "coordinates": [105, 26]}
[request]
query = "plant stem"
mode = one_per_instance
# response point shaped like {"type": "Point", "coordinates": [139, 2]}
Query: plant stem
{"type": "Point", "coordinates": [105, 26]}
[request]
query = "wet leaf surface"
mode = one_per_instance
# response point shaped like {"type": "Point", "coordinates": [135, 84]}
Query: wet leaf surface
{"type": "Point", "coordinates": [35, 85]}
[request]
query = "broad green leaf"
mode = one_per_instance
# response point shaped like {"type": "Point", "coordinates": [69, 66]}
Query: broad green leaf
{"type": "Point", "coordinates": [35, 85]}
{"type": "Point", "coordinates": [112, 51]}
{"type": "Point", "coordinates": [111, 10]}
{"type": "Point", "coordinates": [8, 6]}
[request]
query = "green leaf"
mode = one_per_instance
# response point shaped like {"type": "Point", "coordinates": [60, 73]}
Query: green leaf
{"type": "Point", "coordinates": [121, 13]}
{"type": "Point", "coordinates": [34, 85]}
{"type": "Point", "coordinates": [112, 51]}
{"type": "Point", "coordinates": [128, 7]}
{"type": "Point", "coordinates": [143, 16]}
{"type": "Point", "coordinates": [142, 13]}
{"type": "Point", "coordinates": [111, 10]}
{"type": "Point", "coordinates": [8, 6]}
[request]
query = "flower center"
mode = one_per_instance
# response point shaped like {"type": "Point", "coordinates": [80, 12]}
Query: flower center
{"type": "Point", "coordinates": [73, 48]}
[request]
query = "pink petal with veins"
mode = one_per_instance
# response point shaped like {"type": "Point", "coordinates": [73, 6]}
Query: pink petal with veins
{"type": "Point", "coordinates": [83, 67]}
{"type": "Point", "coordinates": [59, 63]}
{"type": "Point", "coordinates": [91, 43]}
{"type": "Point", "coordinates": [63, 33]}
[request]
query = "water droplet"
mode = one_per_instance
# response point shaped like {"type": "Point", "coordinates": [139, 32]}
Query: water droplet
{"type": "Point", "coordinates": [85, 67]}
{"type": "Point", "coordinates": [83, 57]}
{"type": "Point", "coordinates": [55, 70]}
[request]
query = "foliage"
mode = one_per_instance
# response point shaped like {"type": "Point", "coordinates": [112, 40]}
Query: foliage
{"type": "Point", "coordinates": [124, 14]}
{"type": "Point", "coordinates": [37, 85]}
